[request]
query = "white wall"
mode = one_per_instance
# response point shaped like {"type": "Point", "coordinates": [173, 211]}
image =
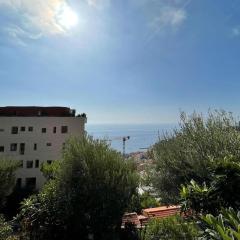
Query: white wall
{"type": "Point", "coordinates": [43, 152]}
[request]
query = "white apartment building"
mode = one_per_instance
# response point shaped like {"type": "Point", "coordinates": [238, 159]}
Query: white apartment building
{"type": "Point", "coordinates": [35, 135]}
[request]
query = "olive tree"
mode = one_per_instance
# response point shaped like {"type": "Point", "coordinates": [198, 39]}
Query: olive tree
{"type": "Point", "coordinates": [193, 150]}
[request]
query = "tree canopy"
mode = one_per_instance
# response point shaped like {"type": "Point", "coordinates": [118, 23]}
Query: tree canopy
{"type": "Point", "coordinates": [88, 194]}
{"type": "Point", "coordinates": [192, 150]}
{"type": "Point", "coordinates": [7, 177]}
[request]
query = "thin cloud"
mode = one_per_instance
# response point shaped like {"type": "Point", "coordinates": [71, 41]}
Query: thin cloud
{"type": "Point", "coordinates": [236, 31]}
{"type": "Point", "coordinates": [99, 4]}
{"type": "Point", "coordinates": [169, 17]}
{"type": "Point", "coordinates": [32, 19]}
{"type": "Point", "coordinates": [163, 16]}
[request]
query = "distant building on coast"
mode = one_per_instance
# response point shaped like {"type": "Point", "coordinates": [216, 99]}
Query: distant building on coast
{"type": "Point", "coordinates": [36, 135]}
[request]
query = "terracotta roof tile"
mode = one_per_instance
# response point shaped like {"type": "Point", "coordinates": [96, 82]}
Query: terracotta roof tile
{"type": "Point", "coordinates": [161, 212]}
{"type": "Point", "coordinates": [141, 220]}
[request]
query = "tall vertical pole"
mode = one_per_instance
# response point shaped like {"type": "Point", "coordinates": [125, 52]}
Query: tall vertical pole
{"type": "Point", "coordinates": [124, 144]}
{"type": "Point", "coordinates": [124, 140]}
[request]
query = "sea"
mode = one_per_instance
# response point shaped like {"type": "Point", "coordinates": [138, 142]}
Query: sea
{"type": "Point", "coordinates": [141, 136]}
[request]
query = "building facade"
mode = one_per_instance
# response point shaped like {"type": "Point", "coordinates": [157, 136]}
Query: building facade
{"type": "Point", "coordinates": [36, 135]}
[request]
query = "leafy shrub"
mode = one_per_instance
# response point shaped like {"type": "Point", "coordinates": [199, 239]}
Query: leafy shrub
{"type": "Point", "coordinates": [174, 228]}
{"type": "Point", "coordinates": [7, 178]}
{"type": "Point", "coordinates": [225, 226]}
{"type": "Point", "coordinates": [221, 192]}
{"type": "Point", "coordinates": [5, 229]}
{"type": "Point", "coordinates": [191, 151]}
{"type": "Point", "coordinates": [87, 195]}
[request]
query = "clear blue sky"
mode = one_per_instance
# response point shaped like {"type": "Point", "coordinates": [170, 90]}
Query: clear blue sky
{"type": "Point", "coordinates": [121, 61]}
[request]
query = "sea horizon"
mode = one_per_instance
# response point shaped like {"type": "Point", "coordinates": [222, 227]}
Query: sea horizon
{"type": "Point", "coordinates": [142, 135]}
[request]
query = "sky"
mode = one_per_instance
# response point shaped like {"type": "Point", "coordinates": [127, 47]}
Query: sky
{"type": "Point", "coordinates": [121, 61]}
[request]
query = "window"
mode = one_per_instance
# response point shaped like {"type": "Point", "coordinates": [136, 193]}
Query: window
{"type": "Point", "coordinates": [36, 163]}
{"type": "Point", "coordinates": [64, 129]}
{"type": "Point", "coordinates": [1, 130]}
{"type": "Point", "coordinates": [30, 129]}
{"type": "Point", "coordinates": [29, 164]}
{"type": "Point", "coordinates": [49, 161]}
{"type": "Point", "coordinates": [19, 183]}
{"type": "Point", "coordinates": [49, 144]}
{"type": "Point", "coordinates": [1, 148]}
{"type": "Point", "coordinates": [14, 130]}
{"type": "Point", "coordinates": [22, 148]}
{"type": "Point", "coordinates": [22, 129]}
{"type": "Point", "coordinates": [35, 147]}
{"type": "Point", "coordinates": [31, 183]}
{"type": "Point", "coordinates": [44, 130]}
{"type": "Point", "coordinates": [54, 129]}
{"type": "Point", "coordinates": [13, 147]}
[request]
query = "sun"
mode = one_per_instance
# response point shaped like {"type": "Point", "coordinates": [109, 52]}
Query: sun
{"type": "Point", "coordinates": [66, 17]}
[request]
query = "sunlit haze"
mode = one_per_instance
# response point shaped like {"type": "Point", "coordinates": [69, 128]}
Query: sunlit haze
{"type": "Point", "coordinates": [133, 61]}
{"type": "Point", "coordinates": [66, 17]}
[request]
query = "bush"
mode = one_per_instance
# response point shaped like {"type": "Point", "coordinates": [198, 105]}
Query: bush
{"type": "Point", "coordinates": [5, 229]}
{"type": "Point", "coordinates": [88, 195]}
{"type": "Point", "coordinates": [7, 178]}
{"type": "Point", "coordinates": [192, 150]}
{"type": "Point", "coordinates": [221, 192]}
{"type": "Point", "coordinates": [225, 226]}
{"type": "Point", "coordinates": [174, 228]}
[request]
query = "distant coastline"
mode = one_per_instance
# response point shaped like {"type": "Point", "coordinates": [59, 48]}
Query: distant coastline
{"type": "Point", "coordinates": [142, 136]}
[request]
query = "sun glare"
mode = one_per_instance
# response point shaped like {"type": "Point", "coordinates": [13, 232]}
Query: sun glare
{"type": "Point", "coordinates": [66, 17]}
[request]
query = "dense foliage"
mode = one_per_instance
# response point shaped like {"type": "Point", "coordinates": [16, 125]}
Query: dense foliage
{"type": "Point", "coordinates": [225, 226]}
{"type": "Point", "coordinates": [7, 178]}
{"type": "Point", "coordinates": [174, 228]}
{"type": "Point", "coordinates": [87, 195]}
{"type": "Point", "coordinates": [5, 229]}
{"type": "Point", "coordinates": [191, 151]}
{"type": "Point", "coordinates": [221, 192]}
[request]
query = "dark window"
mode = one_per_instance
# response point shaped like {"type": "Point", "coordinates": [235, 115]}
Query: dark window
{"type": "Point", "coordinates": [14, 130]}
{"type": "Point", "coordinates": [31, 183]}
{"type": "Point", "coordinates": [13, 147]}
{"type": "Point", "coordinates": [29, 164]}
{"type": "Point", "coordinates": [64, 129]}
{"type": "Point", "coordinates": [19, 183]}
{"type": "Point", "coordinates": [49, 144]}
{"type": "Point", "coordinates": [54, 129]}
{"type": "Point", "coordinates": [44, 130]}
{"type": "Point", "coordinates": [36, 163]}
{"type": "Point", "coordinates": [1, 130]}
{"type": "Point", "coordinates": [22, 148]}
{"type": "Point", "coordinates": [30, 129]}
{"type": "Point", "coordinates": [23, 129]}
{"type": "Point", "coordinates": [49, 161]}
{"type": "Point", "coordinates": [1, 148]}
{"type": "Point", "coordinates": [35, 147]}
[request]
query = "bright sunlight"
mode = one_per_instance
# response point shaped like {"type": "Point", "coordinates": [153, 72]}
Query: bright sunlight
{"type": "Point", "coordinates": [66, 17]}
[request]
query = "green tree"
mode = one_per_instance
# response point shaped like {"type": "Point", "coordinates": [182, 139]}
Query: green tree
{"type": "Point", "coordinates": [190, 151]}
{"type": "Point", "coordinates": [50, 170]}
{"type": "Point", "coordinates": [7, 178]}
{"type": "Point", "coordinates": [87, 196]}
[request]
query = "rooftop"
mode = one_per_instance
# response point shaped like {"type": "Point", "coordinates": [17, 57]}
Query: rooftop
{"type": "Point", "coordinates": [36, 111]}
{"type": "Point", "coordinates": [147, 214]}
